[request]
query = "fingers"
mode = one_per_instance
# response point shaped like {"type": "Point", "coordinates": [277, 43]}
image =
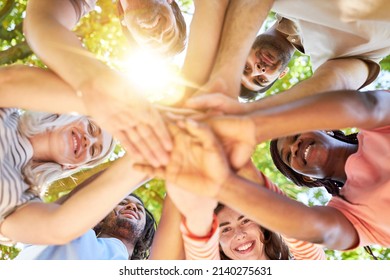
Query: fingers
{"type": "Point", "coordinates": [143, 140]}
{"type": "Point", "coordinates": [202, 132]}
{"type": "Point", "coordinates": [240, 156]}
{"type": "Point", "coordinates": [160, 130]}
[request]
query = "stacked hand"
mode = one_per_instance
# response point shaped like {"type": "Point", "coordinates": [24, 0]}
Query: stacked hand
{"type": "Point", "coordinates": [129, 117]}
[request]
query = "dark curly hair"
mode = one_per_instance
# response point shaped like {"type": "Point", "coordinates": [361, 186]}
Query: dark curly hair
{"type": "Point", "coordinates": [181, 40]}
{"type": "Point", "coordinates": [332, 186]}
{"type": "Point", "coordinates": [144, 242]}
{"type": "Point", "coordinates": [274, 246]}
{"type": "Point", "coordinates": [142, 247]}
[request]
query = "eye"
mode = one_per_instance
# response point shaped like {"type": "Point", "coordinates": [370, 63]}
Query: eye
{"type": "Point", "coordinates": [226, 229]}
{"type": "Point", "coordinates": [245, 221]}
{"type": "Point", "coordinates": [94, 150]}
{"type": "Point", "coordinates": [288, 157]}
{"type": "Point", "coordinates": [92, 128]}
{"type": "Point", "coordinates": [247, 68]}
{"type": "Point", "coordinates": [123, 202]}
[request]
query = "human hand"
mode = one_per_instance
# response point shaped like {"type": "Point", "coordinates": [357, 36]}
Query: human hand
{"type": "Point", "coordinates": [237, 135]}
{"type": "Point", "coordinates": [199, 222]}
{"type": "Point", "coordinates": [197, 164]}
{"type": "Point", "coordinates": [216, 102]}
{"type": "Point", "coordinates": [129, 117]}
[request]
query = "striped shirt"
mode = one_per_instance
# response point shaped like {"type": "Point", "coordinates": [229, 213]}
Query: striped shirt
{"type": "Point", "coordinates": [15, 152]}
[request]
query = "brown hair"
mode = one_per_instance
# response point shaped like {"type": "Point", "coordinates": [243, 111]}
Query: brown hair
{"type": "Point", "coordinates": [274, 246]}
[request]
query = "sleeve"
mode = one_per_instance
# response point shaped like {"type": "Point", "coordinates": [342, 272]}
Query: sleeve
{"type": "Point", "coordinates": [201, 248]}
{"type": "Point", "coordinates": [303, 250]}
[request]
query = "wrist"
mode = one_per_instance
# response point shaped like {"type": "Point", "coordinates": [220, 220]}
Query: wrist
{"type": "Point", "coordinates": [196, 234]}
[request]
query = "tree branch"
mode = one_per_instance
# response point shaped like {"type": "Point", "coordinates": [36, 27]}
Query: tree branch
{"type": "Point", "coordinates": [19, 51]}
{"type": "Point", "coordinates": [9, 5]}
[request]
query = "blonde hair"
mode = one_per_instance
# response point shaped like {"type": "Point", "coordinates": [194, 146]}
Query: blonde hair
{"type": "Point", "coordinates": [41, 174]}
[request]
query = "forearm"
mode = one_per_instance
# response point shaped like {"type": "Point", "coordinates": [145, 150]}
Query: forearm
{"type": "Point", "coordinates": [322, 225]}
{"type": "Point", "coordinates": [325, 111]}
{"type": "Point", "coordinates": [338, 74]}
{"type": "Point", "coordinates": [242, 22]}
{"type": "Point", "coordinates": [203, 42]}
{"type": "Point", "coordinates": [59, 224]}
{"type": "Point", "coordinates": [36, 89]}
{"type": "Point", "coordinates": [48, 28]}
{"type": "Point", "coordinates": [167, 242]}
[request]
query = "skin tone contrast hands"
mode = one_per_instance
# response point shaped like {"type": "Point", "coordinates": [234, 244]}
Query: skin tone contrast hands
{"type": "Point", "coordinates": [196, 172]}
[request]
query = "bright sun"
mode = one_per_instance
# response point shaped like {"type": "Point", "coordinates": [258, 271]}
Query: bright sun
{"type": "Point", "coordinates": [153, 76]}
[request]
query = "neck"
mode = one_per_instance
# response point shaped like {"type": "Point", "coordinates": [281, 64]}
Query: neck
{"type": "Point", "coordinates": [39, 143]}
{"type": "Point", "coordinates": [343, 153]}
{"type": "Point", "coordinates": [129, 245]}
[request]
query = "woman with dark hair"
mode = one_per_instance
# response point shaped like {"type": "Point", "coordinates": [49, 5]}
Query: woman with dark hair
{"type": "Point", "coordinates": [332, 186]}
{"type": "Point", "coordinates": [242, 239]}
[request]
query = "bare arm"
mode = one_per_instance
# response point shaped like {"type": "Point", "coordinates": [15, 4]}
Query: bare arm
{"type": "Point", "coordinates": [329, 110]}
{"type": "Point", "coordinates": [50, 223]}
{"type": "Point", "coordinates": [338, 74]}
{"type": "Point", "coordinates": [36, 89]}
{"type": "Point", "coordinates": [203, 42]}
{"type": "Point", "coordinates": [107, 96]}
{"type": "Point", "coordinates": [242, 22]}
{"type": "Point", "coordinates": [321, 224]}
{"type": "Point", "coordinates": [167, 242]}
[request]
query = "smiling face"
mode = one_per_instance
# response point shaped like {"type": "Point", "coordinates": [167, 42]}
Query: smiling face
{"type": "Point", "coordinates": [240, 238]}
{"type": "Point", "coordinates": [311, 154]}
{"type": "Point", "coordinates": [151, 23]}
{"type": "Point", "coordinates": [127, 220]}
{"type": "Point", "coordinates": [78, 143]}
{"type": "Point", "coordinates": [265, 63]}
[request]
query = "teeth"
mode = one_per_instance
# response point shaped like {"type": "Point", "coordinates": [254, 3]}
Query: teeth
{"type": "Point", "coordinates": [307, 151]}
{"type": "Point", "coordinates": [244, 247]}
{"type": "Point", "coordinates": [74, 143]}
{"type": "Point", "coordinates": [150, 24]}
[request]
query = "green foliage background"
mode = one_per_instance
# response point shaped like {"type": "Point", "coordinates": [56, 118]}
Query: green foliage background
{"type": "Point", "coordinates": [100, 32]}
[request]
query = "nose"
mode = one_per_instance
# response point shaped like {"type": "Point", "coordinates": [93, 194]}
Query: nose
{"type": "Point", "coordinates": [260, 67]}
{"type": "Point", "coordinates": [295, 147]}
{"type": "Point", "coordinates": [88, 141]}
{"type": "Point", "coordinates": [240, 234]}
{"type": "Point", "coordinates": [132, 206]}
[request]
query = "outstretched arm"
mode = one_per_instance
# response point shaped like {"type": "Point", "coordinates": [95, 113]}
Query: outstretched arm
{"type": "Point", "coordinates": [107, 96]}
{"type": "Point", "coordinates": [51, 223]}
{"type": "Point", "coordinates": [199, 165]}
{"type": "Point", "coordinates": [167, 242]}
{"type": "Point", "coordinates": [321, 224]}
{"type": "Point", "coordinates": [329, 110]}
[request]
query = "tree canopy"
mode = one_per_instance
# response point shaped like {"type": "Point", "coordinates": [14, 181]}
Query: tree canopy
{"type": "Point", "coordinates": [100, 32]}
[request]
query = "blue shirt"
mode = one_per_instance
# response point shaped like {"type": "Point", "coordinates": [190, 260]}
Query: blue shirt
{"type": "Point", "coordinates": [86, 247]}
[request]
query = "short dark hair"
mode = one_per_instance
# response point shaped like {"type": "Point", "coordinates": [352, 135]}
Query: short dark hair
{"type": "Point", "coordinates": [274, 246]}
{"type": "Point", "coordinates": [332, 186]}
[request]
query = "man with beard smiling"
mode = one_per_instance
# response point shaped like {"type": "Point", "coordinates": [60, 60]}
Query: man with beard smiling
{"type": "Point", "coordinates": [125, 233]}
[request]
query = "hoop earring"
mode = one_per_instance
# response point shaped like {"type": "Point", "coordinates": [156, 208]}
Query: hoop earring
{"type": "Point", "coordinates": [308, 179]}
